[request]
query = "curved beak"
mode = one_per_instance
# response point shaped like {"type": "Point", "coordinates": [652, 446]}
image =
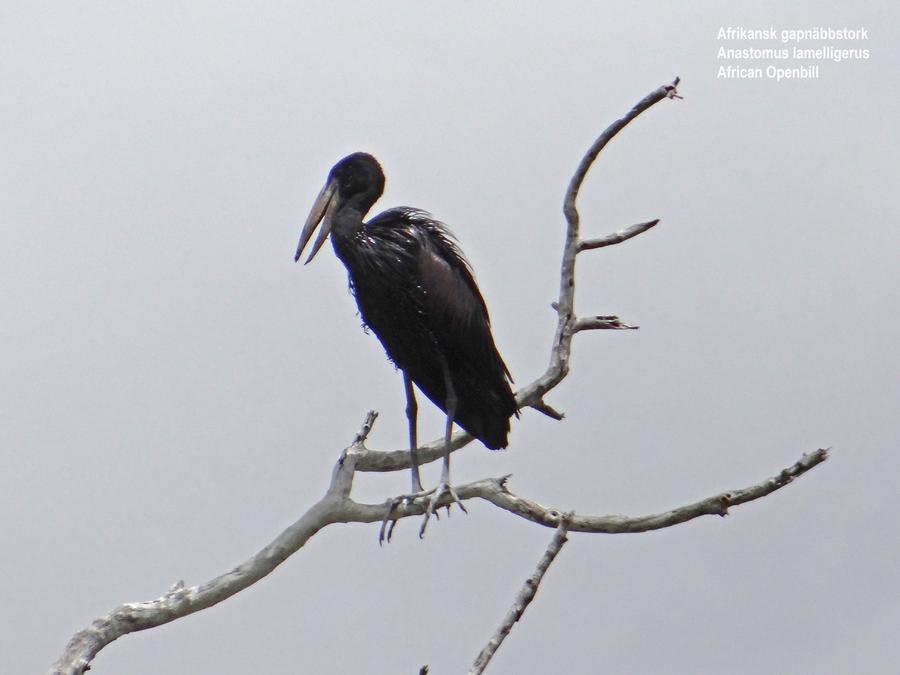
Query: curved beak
{"type": "Point", "coordinates": [321, 211]}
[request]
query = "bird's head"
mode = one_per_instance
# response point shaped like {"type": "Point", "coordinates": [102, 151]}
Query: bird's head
{"type": "Point", "coordinates": [354, 184]}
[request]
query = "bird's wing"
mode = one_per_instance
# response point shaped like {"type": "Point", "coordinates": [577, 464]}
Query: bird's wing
{"type": "Point", "coordinates": [452, 301]}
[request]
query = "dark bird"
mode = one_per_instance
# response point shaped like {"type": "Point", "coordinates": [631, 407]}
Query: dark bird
{"type": "Point", "coordinates": [416, 292]}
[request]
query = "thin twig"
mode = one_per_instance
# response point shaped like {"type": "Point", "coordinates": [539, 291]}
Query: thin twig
{"type": "Point", "coordinates": [524, 597]}
{"type": "Point", "coordinates": [655, 96]}
{"type": "Point", "coordinates": [548, 410]}
{"type": "Point", "coordinates": [601, 323]}
{"type": "Point", "coordinates": [616, 237]}
{"type": "Point", "coordinates": [359, 440]}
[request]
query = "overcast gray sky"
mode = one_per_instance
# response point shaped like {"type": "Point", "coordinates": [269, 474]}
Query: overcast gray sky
{"type": "Point", "coordinates": [176, 389]}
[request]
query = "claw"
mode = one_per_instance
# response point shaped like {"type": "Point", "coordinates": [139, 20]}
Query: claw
{"type": "Point", "coordinates": [386, 532]}
{"type": "Point", "coordinates": [440, 491]}
{"type": "Point", "coordinates": [435, 494]}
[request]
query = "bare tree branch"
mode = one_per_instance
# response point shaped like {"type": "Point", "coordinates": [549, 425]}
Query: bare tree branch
{"type": "Point", "coordinates": [616, 237]}
{"type": "Point", "coordinates": [180, 601]}
{"type": "Point", "coordinates": [717, 505]}
{"type": "Point", "coordinates": [601, 323]}
{"type": "Point", "coordinates": [548, 410]}
{"type": "Point", "coordinates": [565, 305]}
{"type": "Point", "coordinates": [495, 491]}
{"type": "Point", "coordinates": [336, 506]}
{"type": "Point", "coordinates": [524, 597]}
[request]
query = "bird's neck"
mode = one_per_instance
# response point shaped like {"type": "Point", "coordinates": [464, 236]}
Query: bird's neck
{"type": "Point", "coordinates": [347, 222]}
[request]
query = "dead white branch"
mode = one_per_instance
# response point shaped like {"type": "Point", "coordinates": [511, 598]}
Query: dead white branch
{"type": "Point", "coordinates": [336, 505]}
{"type": "Point", "coordinates": [601, 323]}
{"type": "Point", "coordinates": [497, 492]}
{"type": "Point", "coordinates": [616, 237]}
{"type": "Point", "coordinates": [180, 600]}
{"type": "Point", "coordinates": [524, 597]}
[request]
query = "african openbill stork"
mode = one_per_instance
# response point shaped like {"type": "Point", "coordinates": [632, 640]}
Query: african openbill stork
{"type": "Point", "coordinates": [416, 292]}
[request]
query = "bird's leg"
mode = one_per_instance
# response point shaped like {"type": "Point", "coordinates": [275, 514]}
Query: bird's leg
{"type": "Point", "coordinates": [444, 484]}
{"type": "Point", "coordinates": [412, 410]}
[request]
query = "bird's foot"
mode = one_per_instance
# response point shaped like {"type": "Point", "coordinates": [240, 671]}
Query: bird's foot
{"type": "Point", "coordinates": [387, 531]}
{"type": "Point", "coordinates": [436, 494]}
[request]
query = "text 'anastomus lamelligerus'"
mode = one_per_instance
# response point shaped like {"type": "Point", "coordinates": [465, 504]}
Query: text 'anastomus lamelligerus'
{"type": "Point", "coordinates": [416, 292]}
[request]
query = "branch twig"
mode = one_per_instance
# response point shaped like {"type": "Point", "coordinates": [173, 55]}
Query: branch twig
{"type": "Point", "coordinates": [616, 237]}
{"type": "Point", "coordinates": [524, 597]}
{"type": "Point", "coordinates": [601, 323]}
